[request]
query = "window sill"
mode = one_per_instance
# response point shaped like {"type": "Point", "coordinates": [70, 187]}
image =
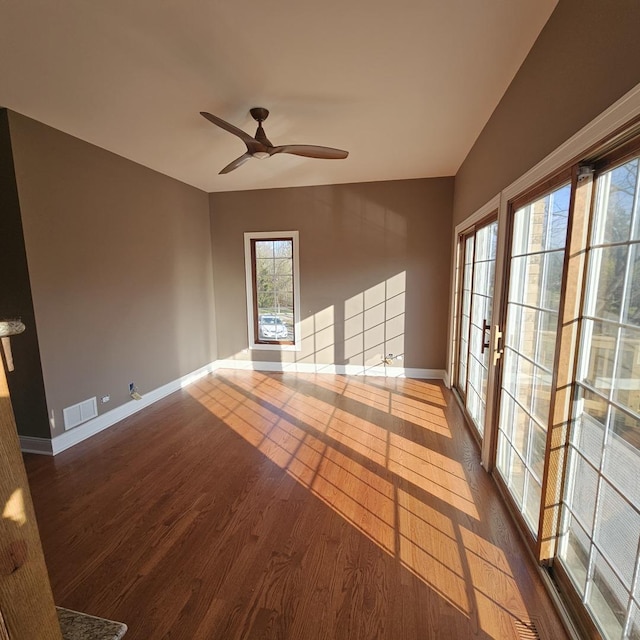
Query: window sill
{"type": "Point", "coordinates": [274, 347]}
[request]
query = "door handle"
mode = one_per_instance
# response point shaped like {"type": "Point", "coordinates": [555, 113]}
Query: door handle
{"type": "Point", "coordinates": [498, 349]}
{"type": "Point", "coordinates": [486, 342]}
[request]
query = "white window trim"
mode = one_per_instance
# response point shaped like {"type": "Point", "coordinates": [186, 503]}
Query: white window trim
{"type": "Point", "coordinates": [253, 235]}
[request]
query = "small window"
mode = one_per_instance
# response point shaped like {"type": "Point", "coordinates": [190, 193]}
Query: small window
{"type": "Point", "coordinates": [271, 262]}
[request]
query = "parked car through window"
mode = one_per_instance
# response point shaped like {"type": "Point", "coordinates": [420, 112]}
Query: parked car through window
{"type": "Point", "coordinates": [272, 328]}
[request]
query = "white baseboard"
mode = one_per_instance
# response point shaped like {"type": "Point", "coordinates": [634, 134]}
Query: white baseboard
{"type": "Point", "coordinates": [90, 428]}
{"type": "Point", "coordinates": [104, 421]}
{"type": "Point", "coordinates": [341, 369]}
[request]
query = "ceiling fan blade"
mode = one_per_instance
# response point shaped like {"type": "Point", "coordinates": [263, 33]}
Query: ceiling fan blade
{"type": "Point", "coordinates": [236, 163]}
{"type": "Point", "coordinates": [310, 151]}
{"type": "Point", "coordinates": [252, 143]}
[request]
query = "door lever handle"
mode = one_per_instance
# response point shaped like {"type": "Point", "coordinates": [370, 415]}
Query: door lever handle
{"type": "Point", "coordinates": [486, 341]}
{"type": "Point", "coordinates": [498, 349]}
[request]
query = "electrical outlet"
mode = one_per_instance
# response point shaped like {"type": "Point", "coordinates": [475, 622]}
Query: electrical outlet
{"type": "Point", "coordinates": [105, 399]}
{"type": "Point", "coordinates": [132, 387]}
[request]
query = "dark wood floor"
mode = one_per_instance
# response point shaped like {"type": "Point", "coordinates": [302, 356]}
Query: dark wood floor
{"type": "Point", "coordinates": [254, 505]}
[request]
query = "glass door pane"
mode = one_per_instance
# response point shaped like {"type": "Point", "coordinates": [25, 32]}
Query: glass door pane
{"type": "Point", "coordinates": [533, 299]}
{"type": "Point", "coordinates": [599, 547]}
{"type": "Point", "coordinates": [484, 266]}
{"type": "Point", "coordinates": [475, 320]}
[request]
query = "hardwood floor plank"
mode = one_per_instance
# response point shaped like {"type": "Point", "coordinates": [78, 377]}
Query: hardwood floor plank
{"type": "Point", "coordinates": [255, 505]}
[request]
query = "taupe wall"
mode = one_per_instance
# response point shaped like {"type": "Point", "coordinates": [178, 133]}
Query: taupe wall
{"type": "Point", "coordinates": [120, 264]}
{"type": "Point", "coordinates": [25, 382]}
{"type": "Point", "coordinates": [374, 269]}
{"type": "Point", "coordinates": [587, 56]}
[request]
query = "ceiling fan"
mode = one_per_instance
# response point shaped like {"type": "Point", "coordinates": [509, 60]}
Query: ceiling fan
{"type": "Point", "coordinates": [260, 147]}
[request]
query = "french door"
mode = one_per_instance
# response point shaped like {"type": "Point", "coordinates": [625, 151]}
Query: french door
{"type": "Point", "coordinates": [562, 432]}
{"type": "Point", "coordinates": [530, 326]}
{"type": "Point", "coordinates": [478, 260]}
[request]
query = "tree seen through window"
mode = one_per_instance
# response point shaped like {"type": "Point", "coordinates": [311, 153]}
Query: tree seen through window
{"type": "Point", "coordinates": [273, 290]}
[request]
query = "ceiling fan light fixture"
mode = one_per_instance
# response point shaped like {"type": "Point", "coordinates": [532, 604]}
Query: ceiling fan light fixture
{"type": "Point", "coordinates": [260, 147]}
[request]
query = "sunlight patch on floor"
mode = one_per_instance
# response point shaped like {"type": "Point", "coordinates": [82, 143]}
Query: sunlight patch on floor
{"type": "Point", "coordinates": [393, 489]}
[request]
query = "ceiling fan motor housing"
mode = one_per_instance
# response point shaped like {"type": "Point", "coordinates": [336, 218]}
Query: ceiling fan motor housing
{"type": "Point", "coordinates": [259, 113]}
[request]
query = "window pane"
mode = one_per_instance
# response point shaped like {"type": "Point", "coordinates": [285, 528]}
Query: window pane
{"type": "Point", "coordinates": [537, 449]}
{"type": "Point", "coordinates": [627, 378]}
{"type": "Point", "coordinates": [585, 489]}
{"type": "Point", "coordinates": [552, 280]}
{"type": "Point", "coordinates": [493, 240]}
{"type": "Point", "coordinates": [477, 310]}
{"type": "Point", "coordinates": [480, 276]}
{"type": "Point", "coordinates": [631, 314]}
{"type": "Point", "coordinates": [622, 461]}
{"type": "Point", "coordinates": [517, 278]}
{"type": "Point", "coordinates": [504, 454]}
{"type": "Point", "coordinates": [283, 267]}
{"type": "Point", "coordinates": [283, 283]}
{"type": "Point", "coordinates": [520, 239]}
{"type": "Point", "coordinates": [598, 348]}
{"type": "Point", "coordinates": [592, 406]}
{"type": "Point", "coordinates": [546, 344]}
{"type": "Point", "coordinates": [532, 502]}
{"type": "Point", "coordinates": [529, 291]}
{"type": "Point", "coordinates": [536, 334]}
{"type": "Point", "coordinates": [283, 248]}
{"type": "Point", "coordinates": [608, 266]}
{"type": "Point", "coordinates": [556, 231]}
{"type": "Point", "coordinates": [528, 332]}
{"type": "Point", "coordinates": [587, 433]}
{"type": "Point", "coordinates": [264, 248]}
{"type": "Point", "coordinates": [524, 383]}
{"type": "Point", "coordinates": [515, 478]}
{"type": "Point", "coordinates": [462, 371]}
{"type": "Point", "coordinates": [541, 403]}
{"type": "Point", "coordinates": [615, 204]}
{"type": "Point", "coordinates": [507, 416]}
{"type": "Point", "coordinates": [607, 599]}
{"type": "Point", "coordinates": [513, 331]}
{"type": "Point", "coordinates": [575, 546]}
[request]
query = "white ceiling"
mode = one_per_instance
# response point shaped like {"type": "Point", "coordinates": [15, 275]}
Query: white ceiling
{"type": "Point", "coordinates": [404, 86]}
